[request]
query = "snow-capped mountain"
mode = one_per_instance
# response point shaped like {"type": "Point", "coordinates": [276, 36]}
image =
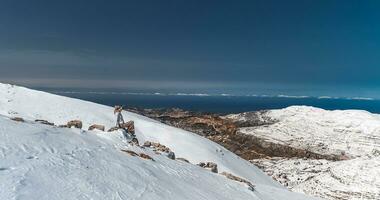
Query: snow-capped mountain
{"type": "Point", "coordinates": [349, 139]}
{"type": "Point", "coordinates": [47, 162]}
{"type": "Point", "coordinates": [347, 133]}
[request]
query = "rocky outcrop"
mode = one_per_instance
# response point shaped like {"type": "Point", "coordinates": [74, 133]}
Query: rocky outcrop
{"type": "Point", "coordinates": [238, 179]}
{"type": "Point", "coordinates": [75, 123]}
{"type": "Point", "coordinates": [162, 113]}
{"type": "Point", "coordinates": [44, 122]}
{"type": "Point", "coordinates": [251, 147]}
{"type": "Point", "coordinates": [141, 155]}
{"type": "Point", "coordinates": [200, 123]}
{"type": "Point", "coordinates": [145, 156]}
{"type": "Point", "coordinates": [96, 126]}
{"type": "Point", "coordinates": [113, 129]}
{"type": "Point", "coordinates": [130, 126]}
{"type": "Point", "coordinates": [157, 146]}
{"type": "Point", "coordinates": [209, 165]}
{"type": "Point", "coordinates": [147, 144]}
{"type": "Point", "coordinates": [224, 130]}
{"type": "Point", "coordinates": [171, 155]}
{"type": "Point", "coordinates": [329, 154]}
{"type": "Point", "coordinates": [132, 153]}
{"type": "Point", "coordinates": [18, 119]}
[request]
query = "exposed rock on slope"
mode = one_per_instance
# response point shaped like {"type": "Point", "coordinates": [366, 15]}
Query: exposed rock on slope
{"type": "Point", "coordinates": [45, 162]}
{"type": "Point", "coordinates": [226, 131]}
{"type": "Point", "coordinates": [345, 134]}
{"type": "Point", "coordinates": [49, 163]}
{"type": "Point", "coordinates": [331, 154]}
{"type": "Point", "coordinates": [351, 136]}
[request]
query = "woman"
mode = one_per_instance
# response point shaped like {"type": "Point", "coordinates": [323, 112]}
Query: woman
{"type": "Point", "coordinates": [129, 127]}
{"type": "Point", "coordinates": [120, 118]}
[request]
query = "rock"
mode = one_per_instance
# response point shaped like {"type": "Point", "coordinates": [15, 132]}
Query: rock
{"type": "Point", "coordinates": [44, 122]}
{"type": "Point", "coordinates": [209, 165]}
{"type": "Point", "coordinates": [145, 156]}
{"type": "Point", "coordinates": [171, 155]}
{"type": "Point", "coordinates": [134, 141]}
{"type": "Point", "coordinates": [96, 126]}
{"type": "Point", "coordinates": [147, 144]}
{"type": "Point", "coordinates": [141, 155]}
{"type": "Point", "coordinates": [18, 119]}
{"type": "Point", "coordinates": [212, 166]}
{"type": "Point", "coordinates": [226, 131]}
{"type": "Point", "coordinates": [132, 153]}
{"type": "Point", "coordinates": [238, 179]}
{"type": "Point", "coordinates": [113, 129]}
{"type": "Point", "coordinates": [130, 126]}
{"type": "Point", "coordinates": [163, 149]}
{"type": "Point", "coordinates": [75, 123]}
{"type": "Point", "coordinates": [62, 126]}
{"type": "Point", "coordinates": [183, 159]}
{"type": "Point", "coordinates": [202, 164]}
{"type": "Point", "coordinates": [158, 146]}
{"type": "Point", "coordinates": [154, 144]}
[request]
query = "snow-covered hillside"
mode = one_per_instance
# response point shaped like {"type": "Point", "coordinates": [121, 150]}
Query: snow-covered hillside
{"type": "Point", "coordinates": [350, 179]}
{"type": "Point", "coordinates": [46, 162]}
{"type": "Point", "coordinates": [348, 132]}
{"type": "Point", "coordinates": [40, 162]}
{"type": "Point", "coordinates": [351, 136]}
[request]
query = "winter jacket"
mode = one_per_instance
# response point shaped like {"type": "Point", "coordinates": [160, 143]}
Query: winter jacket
{"type": "Point", "coordinates": [119, 120]}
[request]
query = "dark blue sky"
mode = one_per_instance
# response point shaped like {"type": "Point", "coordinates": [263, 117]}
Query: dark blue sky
{"type": "Point", "coordinates": [298, 47]}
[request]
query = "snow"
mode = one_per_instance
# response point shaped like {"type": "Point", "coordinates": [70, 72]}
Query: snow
{"type": "Point", "coordinates": [40, 162]}
{"type": "Point", "coordinates": [45, 162]}
{"type": "Point", "coordinates": [352, 135]}
{"type": "Point", "coordinates": [350, 179]}
{"type": "Point", "coordinates": [349, 132]}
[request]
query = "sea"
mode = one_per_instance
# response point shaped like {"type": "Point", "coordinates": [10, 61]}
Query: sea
{"type": "Point", "coordinates": [218, 103]}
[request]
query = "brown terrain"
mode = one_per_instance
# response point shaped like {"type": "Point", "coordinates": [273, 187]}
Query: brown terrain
{"type": "Point", "coordinates": [225, 132]}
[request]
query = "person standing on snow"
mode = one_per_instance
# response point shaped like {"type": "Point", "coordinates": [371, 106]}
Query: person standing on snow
{"type": "Point", "coordinates": [129, 127]}
{"type": "Point", "coordinates": [120, 118]}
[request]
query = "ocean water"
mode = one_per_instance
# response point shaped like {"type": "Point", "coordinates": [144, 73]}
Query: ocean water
{"type": "Point", "coordinates": [221, 103]}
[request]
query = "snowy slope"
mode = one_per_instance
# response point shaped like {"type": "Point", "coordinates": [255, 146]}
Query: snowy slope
{"type": "Point", "coordinates": [349, 132]}
{"type": "Point", "coordinates": [40, 162]}
{"type": "Point", "coordinates": [43, 162]}
{"type": "Point", "coordinates": [350, 179]}
{"type": "Point", "coordinates": [352, 135]}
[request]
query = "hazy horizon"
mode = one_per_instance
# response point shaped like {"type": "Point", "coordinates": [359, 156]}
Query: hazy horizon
{"type": "Point", "coordinates": [297, 47]}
